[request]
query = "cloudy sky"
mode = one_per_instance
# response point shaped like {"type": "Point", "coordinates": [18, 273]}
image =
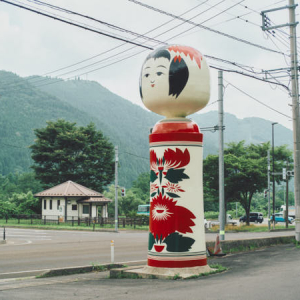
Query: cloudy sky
{"type": "Point", "coordinates": [229, 33]}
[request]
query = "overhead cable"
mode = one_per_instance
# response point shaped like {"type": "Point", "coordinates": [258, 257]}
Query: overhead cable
{"type": "Point", "coordinates": [260, 102]}
{"type": "Point", "coordinates": [77, 25]}
{"type": "Point", "coordinates": [206, 28]}
{"type": "Point", "coordinates": [112, 26]}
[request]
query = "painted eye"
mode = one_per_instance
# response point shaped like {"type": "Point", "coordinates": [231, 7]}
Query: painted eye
{"type": "Point", "coordinates": [147, 75]}
{"type": "Point", "coordinates": [159, 73]}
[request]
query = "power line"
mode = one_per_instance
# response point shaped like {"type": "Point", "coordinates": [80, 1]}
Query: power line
{"type": "Point", "coordinates": [159, 42]}
{"type": "Point", "coordinates": [223, 11]}
{"type": "Point", "coordinates": [206, 28]}
{"type": "Point", "coordinates": [260, 102]}
{"type": "Point", "coordinates": [251, 76]}
{"type": "Point", "coordinates": [215, 5]}
{"type": "Point", "coordinates": [77, 25]}
{"type": "Point", "coordinates": [111, 49]}
{"type": "Point", "coordinates": [184, 21]}
{"type": "Point", "coordinates": [124, 152]}
{"type": "Point", "coordinates": [238, 65]}
{"type": "Point", "coordinates": [45, 79]}
{"type": "Point", "coordinates": [61, 9]}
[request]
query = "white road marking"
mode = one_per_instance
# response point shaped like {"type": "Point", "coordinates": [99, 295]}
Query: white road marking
{"type": "Point", "coordinates": [17, 244]}
{"type": "Point", "coordinates": [27, 235]}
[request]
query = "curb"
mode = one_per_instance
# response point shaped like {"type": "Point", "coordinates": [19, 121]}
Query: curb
{"type": "Point", "coordinates": [69, 270]}
{"type": "Point", "coordinates": [242, 245]}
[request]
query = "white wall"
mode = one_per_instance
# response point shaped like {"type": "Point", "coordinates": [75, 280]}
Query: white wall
{"type": "Point", "coordinates": [72, 213]}
{"type": "Point", "coordinates": [55, 211]}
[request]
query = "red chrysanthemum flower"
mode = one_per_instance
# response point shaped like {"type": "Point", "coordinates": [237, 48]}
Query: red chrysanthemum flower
{"type": "Point", "coordinates": [171, 160]}
{"type": "Point", "coordinates": [153, 161]}
{"type": "Point", "coordinates": [166, 217]}
{"type": "Point", "coordinates": [176, 159]}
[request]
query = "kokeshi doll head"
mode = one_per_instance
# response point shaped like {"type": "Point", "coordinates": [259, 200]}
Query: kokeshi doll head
{"type": "Point", "coordinates": [175, 81]}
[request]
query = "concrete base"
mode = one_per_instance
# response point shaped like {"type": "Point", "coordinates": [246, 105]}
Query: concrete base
{"type": "Point", "coordinates": [161, 273]}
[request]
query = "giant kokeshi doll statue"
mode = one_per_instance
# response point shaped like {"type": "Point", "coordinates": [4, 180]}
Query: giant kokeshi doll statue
{"type": "Point", "coordinates": [175, 83]}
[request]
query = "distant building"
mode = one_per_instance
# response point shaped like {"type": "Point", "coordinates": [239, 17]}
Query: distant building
{"type": "Point", "coordinates": [71, 199]}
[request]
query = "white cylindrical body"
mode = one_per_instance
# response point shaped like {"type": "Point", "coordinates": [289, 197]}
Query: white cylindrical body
{"type": "Point", "coordinates": [177, 233]}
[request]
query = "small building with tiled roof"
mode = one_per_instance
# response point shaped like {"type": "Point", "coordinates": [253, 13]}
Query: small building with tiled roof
{"type": "Point", "coordinates": [69, 199]}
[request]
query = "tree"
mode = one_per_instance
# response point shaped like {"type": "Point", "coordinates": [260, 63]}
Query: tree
{"type": "Point", "coordinates": [141, 187]}
{"type": "Point", "coordinates": [65, 152]}
{"type": "Point", "coordinates": [129, 204]}
{"type": "Point", "coordinates": [26, 203]}
{"type": "Point", "coordinates": [245, 171]}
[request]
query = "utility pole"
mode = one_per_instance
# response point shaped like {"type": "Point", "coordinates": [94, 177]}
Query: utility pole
{"type": "Point", "coordinates": [295, 98]}
{"type": "Point", "coordinates": [269, 208]}
{"type": "Point", "coordinates": [222, 217]}
{"type": "Point", "coordinates": [116, 188]}
{"type": "Point", "coordinates": [287, 198]}
{"type": "Point", "coordinates": [295, 109]}
{"type": "Point", "coordinates": [273, 169]}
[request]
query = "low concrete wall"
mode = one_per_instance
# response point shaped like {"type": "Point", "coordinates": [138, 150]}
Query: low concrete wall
{"type": "Point", "coordinates": [249, 243]}
{"type": "Point", "coordinates": [78, 270]}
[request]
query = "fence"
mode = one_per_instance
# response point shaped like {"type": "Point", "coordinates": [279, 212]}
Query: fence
{"type": "Point", "coordinates": [75, 221]}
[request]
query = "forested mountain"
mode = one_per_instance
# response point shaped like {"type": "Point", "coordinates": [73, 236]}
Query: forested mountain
{"type": "Point", "coordinates": [22, 109]}
{"type": "Point", "coordinates": [26, 104]}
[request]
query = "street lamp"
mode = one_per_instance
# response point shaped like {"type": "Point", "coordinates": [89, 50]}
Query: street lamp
{"type": "Point", "coordinates": [268, 191]}
{"type": "Point", "coordinates": [273, 173]}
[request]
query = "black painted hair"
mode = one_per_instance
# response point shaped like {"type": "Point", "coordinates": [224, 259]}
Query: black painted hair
{"type": "Point", "coordinates": [178, 77]}
{"type": "Point", "coordinates": [178, 73]}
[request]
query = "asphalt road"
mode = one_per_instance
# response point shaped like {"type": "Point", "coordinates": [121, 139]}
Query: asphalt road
{"type": "Point", "coordinates": [272, 273]}
{"type": "Point", "coordinates": [29, 249]}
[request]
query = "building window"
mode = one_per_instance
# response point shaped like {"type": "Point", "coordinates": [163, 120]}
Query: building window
{"type": "Point", "coordinates": [58, 204]}
{"type": "Point", "coordinates": [86, 209]}
{"type": "Point", "coordinates": [74, 207]}
{"type": "Point", "coordinates": [45, 204]}
{"type": "Point", "coordinates": [50, 204]}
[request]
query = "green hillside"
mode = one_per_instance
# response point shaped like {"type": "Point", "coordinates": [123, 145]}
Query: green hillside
{"type": "Point", "coordinates": [22, 109]}
{"type": "Point", "coordinates": [26, 104]}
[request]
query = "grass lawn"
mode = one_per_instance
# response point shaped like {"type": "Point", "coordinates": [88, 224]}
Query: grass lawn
{"type": "Point", "coordinates": [250, 228]}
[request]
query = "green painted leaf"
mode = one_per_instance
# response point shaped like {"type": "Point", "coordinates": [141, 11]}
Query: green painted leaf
{"type": "Point", "coordinates": [172, 195]}
{"type": "Point", "coordinates": [153, 176]}
{"type": "Point", "coordinates": [153, 194]}
{"type": "Point", "coordinates": [151, 241]}
{"type": "Point", "coordinates": [178, 243]}
{"type": "Point", "coordinates": [174, 175]}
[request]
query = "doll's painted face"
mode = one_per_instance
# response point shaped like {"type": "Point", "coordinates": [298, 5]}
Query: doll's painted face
{"type": "Point", "coordinates": [174, 81]}
{"type": "Point", "coordinates": [155, 77]}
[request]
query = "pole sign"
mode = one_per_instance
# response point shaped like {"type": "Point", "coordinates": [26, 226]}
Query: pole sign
{"type": "Point", "coordinates": [284, 173]}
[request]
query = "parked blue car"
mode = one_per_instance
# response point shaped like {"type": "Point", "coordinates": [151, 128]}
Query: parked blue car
{"type": "Point", "coordinates": [280, 218]}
